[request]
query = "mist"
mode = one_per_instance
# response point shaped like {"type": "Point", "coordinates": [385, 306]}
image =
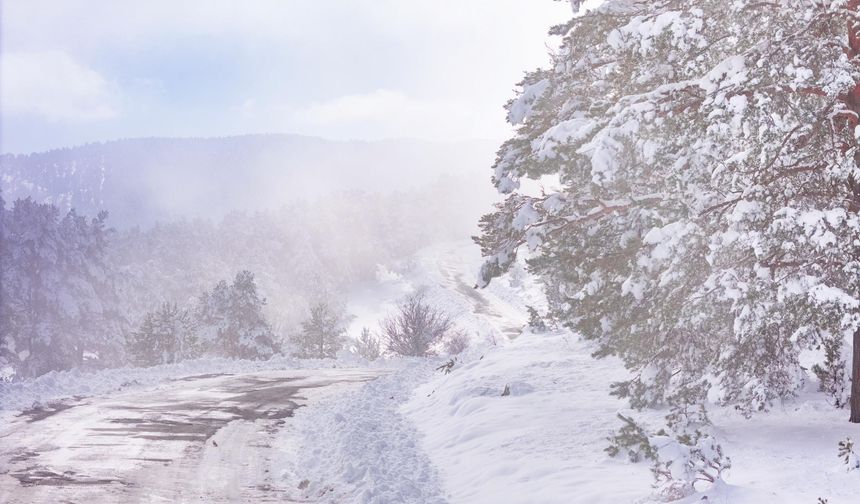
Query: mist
{"type": "Point", "coordinates": [430, 251]}
{"type": "Point", "coordinates": [143, 181]}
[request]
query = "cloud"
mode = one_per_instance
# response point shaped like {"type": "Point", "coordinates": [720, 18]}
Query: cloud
{"type": "Point", "coordinates": [387, 113]}
{"type": "Point", "coordinates": [348, 69]}
{"type": "Point", "coordinates": [382, 104]}
{"type": "Point", "coordinates": [53, 86]}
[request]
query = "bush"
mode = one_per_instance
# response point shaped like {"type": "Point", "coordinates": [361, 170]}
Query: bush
{"type": "Point", "coordinates": [415, 328]}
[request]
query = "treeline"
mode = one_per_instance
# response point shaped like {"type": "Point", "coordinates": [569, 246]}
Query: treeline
{"type": "Point", "coordinates": [301, 253]}
{"type": "Point", "coordinates": [224, 322]}
{"type": "Point", "coordinates": [76, 293]}
{"type": "Point", "coordinates": [61, 304]}
{"type": "Point", "coordinates": [228, 322]}
{"type": "Point", "coordinates": [58, 306]}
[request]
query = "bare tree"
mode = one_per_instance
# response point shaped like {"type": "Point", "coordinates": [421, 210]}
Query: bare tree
{"type": "Point", "coordinates": [416, 327]}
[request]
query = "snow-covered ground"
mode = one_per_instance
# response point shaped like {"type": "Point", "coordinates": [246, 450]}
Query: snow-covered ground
{"type": "Point", "coordinates": [788, 455]}
{"type": "Point", "coordinates": [360, 448]}
{"type": "Point", "coordinates": [541, 443]}
{"type": "Point", "coordinates": [417, 435]}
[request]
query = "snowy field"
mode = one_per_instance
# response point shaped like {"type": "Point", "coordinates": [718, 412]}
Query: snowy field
{"type": "Point", "coordinates": [417, 435]}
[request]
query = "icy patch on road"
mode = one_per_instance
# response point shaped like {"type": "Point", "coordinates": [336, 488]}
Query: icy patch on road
{"type": "Point", "coordinates": [359, 448]}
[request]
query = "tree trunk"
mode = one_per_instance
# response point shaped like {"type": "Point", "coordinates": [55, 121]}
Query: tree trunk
{"type": "Point", "coordinates": [855, 380]}
{"type": "Point", "coordinates": [853, 103]}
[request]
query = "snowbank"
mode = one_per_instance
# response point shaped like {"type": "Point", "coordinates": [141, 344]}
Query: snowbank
{"type": "Point", "coordinates": [543, 442]}
{"type": "Point", "coordinates": [788, 455]}
{"type": "Point", "coordinates": [359, 448]}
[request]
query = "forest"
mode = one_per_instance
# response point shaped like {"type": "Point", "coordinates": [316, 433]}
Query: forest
{"type": "Point", "coordinates": [78, 293]}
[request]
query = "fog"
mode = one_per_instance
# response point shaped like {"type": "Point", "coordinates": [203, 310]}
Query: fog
{"type": "Point", "coordinates": [142, 181]}
{"type": "Point", "coordinates": [312, 220]}
{"type": "Point", "coordinates": [153, 154]}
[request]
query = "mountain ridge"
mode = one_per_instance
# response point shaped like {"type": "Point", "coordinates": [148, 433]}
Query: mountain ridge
{"type": "Point", "coordinates": [144, 180]}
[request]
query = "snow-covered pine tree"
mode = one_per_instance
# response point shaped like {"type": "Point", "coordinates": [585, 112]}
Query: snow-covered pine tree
{"type": "Point", "coordinates": [251, 335]}
{"type": "Point", "coordinates": [7, 354]}
{"type": "Point", "coordinates": [701, 213]}
{"type": "Point", "coordinates": [91, 282]}
{"type": "Point", "coordinates": [322, 334]}
{"type": "Point", "coordinates": [367, 345]}
{"type": "Point", "coordinates": [210, 318]}
{"type": "Point", "coordinates": [165, 336]}
{"type": "Point", "coordinates": [59, 306]}
{"type": "Point", "coordinates": [231, 323]}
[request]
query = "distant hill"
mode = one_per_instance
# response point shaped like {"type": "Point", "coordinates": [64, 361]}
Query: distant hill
{"type": "Point", "coordinates": [141, 181]}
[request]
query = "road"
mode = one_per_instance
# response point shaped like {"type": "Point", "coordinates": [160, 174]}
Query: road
{"type": "Point", "coordinates": [199, 439]}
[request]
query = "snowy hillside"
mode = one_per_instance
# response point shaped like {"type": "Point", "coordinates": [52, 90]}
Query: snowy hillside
{"type": "Point", "coordinates": [523, 417]}
{"type": "Point", "coordinates": [545, 441]}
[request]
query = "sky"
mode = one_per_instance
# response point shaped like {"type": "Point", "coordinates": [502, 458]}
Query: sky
{"type": "Point", "coordinates": [77, 71]}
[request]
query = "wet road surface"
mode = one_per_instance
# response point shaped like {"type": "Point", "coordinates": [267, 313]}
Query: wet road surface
{"type": "Point", "coordinates": [203, 438]}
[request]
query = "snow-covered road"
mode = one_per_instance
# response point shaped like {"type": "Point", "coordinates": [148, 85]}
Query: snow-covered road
{"type": "Point", "coordinates": [203, 438]}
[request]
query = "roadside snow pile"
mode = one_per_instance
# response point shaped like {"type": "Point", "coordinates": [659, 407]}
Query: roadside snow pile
{"type": "Point", "coordinates": [527, 423]}
{"type": "Point", "coordinates": [15, 396]}
{"type": "Point", "coordinates": [359, 448]}
{"type": "Point", "coordinates": [543, 441]}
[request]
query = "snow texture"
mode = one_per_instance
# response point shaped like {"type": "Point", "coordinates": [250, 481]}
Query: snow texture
{"type": "Point", "coordinates": [360, 448]}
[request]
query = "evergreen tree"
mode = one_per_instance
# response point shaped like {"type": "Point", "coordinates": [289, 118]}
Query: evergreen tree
{"type": "Point", "coordinates": [704, 225]}
{"type": "Point", "coordinates": [231, 321]}
{"type": "Point", "coordinates": [165, 336]}
{"type": "Point", "coordinates": [367, 345]}
{"type": "Point", "coordinates": [7, 355]}
{"type": "Point", "coordinates": [323, 334]}
{"type": "Point", "coordinates": [58, 297]}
